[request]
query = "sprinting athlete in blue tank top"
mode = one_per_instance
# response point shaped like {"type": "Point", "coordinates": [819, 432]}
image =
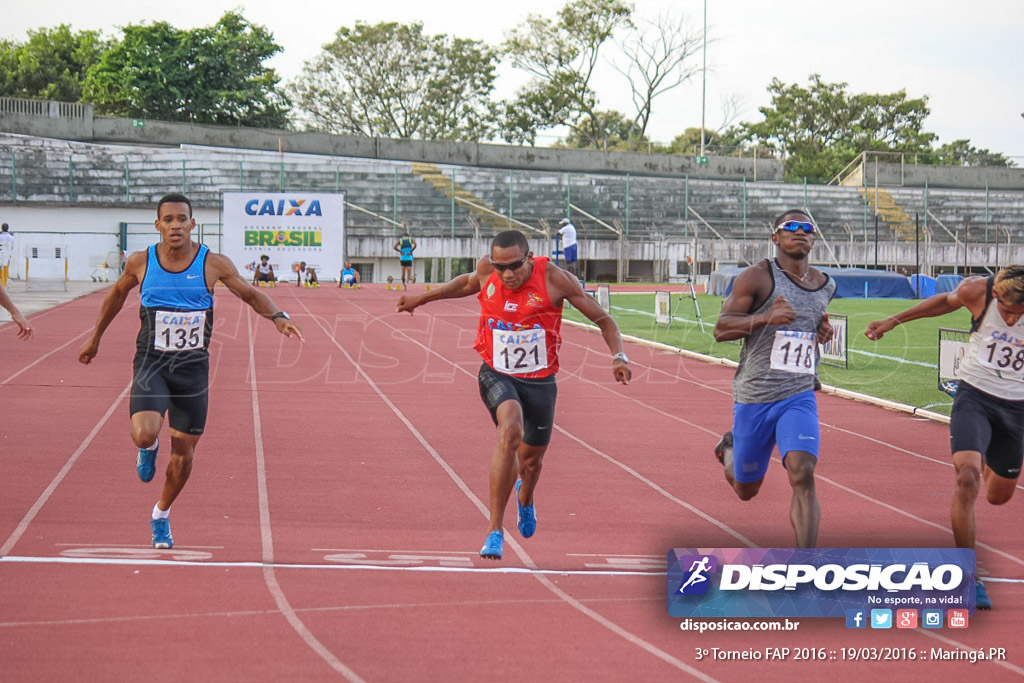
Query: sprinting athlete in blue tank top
{"type": "Point", "coordinates": [172, 359]}
{"type": "Point", "coordinates": [777, 307]}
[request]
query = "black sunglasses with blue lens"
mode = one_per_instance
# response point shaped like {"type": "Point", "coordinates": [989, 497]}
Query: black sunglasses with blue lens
{"type": "Point", "coordinates": [793, 226]}
{"type": "Point", "coordinates": [502, 267]}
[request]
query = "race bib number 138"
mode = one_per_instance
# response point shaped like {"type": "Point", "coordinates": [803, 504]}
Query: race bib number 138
{"type": "Point", "coordinates": [179, 330]}
{"type": "Point", "coordinates": [794, 352]}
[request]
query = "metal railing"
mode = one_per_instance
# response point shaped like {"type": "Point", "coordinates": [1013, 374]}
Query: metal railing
{"type": "Point", "coordinates": [50, 108]}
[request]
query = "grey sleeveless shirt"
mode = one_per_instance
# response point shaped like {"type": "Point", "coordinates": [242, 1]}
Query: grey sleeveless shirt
{"type": "Point", "coordinates": [779, 361]}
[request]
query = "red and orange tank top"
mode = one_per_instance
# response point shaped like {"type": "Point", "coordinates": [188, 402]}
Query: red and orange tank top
{"type": "Point", "coordinates": [520, 329]}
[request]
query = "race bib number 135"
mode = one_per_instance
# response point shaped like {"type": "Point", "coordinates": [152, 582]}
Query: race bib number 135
{"type": "Point", "coordinates": [794, 352]}
{"type": "Point", "coordinates": [179, 330]}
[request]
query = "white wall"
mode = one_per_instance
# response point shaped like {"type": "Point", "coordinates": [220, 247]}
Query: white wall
{"type": "Point", "coordinates": [85, 234]}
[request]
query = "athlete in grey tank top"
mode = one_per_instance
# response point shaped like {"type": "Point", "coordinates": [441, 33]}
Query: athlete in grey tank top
{"type": "Point", "coordinates": [778, 308]}
{"type": "Point", "coordinates": [779, 361]}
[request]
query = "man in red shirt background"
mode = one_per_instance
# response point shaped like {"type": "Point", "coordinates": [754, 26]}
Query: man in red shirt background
{"type": "Point", "coordinates": [518, 337]}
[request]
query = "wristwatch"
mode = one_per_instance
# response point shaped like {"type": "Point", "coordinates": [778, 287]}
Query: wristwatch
{"type": "Point", "coordinates": [620, 356]}
{"type": "Point", "coordinates": [280, 314]}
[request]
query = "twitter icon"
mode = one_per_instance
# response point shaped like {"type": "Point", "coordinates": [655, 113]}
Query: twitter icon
{"type": "Point", "coordinates": [881, 618]}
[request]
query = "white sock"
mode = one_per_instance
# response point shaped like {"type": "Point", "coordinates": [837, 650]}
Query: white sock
{"type": "Point", "coordinates": [152, 446]}
{"type": "Point", "coordinates": [160, 514]}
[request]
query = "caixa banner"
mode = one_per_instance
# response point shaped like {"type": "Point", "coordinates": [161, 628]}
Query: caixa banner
{"type": "Point", "coordinates": [816, 582]}
{"type": "Point", "coordinates": [290, 228]}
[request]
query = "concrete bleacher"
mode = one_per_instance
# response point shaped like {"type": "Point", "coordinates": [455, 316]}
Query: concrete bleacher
{"type": "Point", "coordinates": [423, 196]}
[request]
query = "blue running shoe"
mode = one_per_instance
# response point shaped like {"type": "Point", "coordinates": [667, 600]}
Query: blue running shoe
{"type": "Point", "coordinates": [161, 533]}
{"type": "Point", "coordinates": [493, 546]}
{"type": "Point", "coordinates": [981, 599]}
{"type": "Point", "coordinates": [145, 464]}
{"type": "Point", "coordinates": [527, 521]}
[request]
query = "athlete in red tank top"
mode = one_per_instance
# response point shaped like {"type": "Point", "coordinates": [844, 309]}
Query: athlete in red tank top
{"type": "Point", "coordinates": [520, 329]}
{"type": "Point", "coordinates": [518, 336]}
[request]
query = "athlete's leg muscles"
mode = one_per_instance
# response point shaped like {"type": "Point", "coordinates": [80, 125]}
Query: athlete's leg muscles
{"type": "Point", "coordinates": [509, 415]}
{"type": "Point", "coordinates": [968, 466]}
{"type": "Point", "coordinates": [804, 511]}
{"type": "Point", "coordinates": [183, 447]}
{"type": "Point", "coordinates": [531, 460]}
{"type": "Point", "coordinates": [146, 426]}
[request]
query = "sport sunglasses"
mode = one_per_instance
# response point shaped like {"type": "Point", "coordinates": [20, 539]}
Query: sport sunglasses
{"type": "Point", "coordinates": [502, 267]}
{"type": "Point", "coordinates": [793, 226]}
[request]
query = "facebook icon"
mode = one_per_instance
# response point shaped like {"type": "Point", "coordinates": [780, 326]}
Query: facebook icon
{"type": "Point", "coordinates": [856, 618]}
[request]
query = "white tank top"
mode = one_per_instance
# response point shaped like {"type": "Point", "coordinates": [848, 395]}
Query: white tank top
{"type": "Point", "coordinates": [994, 362]}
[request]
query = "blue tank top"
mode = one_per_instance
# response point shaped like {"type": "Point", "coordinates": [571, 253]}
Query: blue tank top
{"type": "Point", "coordinates": [177, 309]}
{"type": "Point", "coordinates": [406, 247]}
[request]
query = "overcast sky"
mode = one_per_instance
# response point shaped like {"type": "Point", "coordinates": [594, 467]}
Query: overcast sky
{"type": "Point", "coordinates": [967, 57]}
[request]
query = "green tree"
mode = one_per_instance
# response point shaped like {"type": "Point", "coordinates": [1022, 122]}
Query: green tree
{"type": "Point", "coordinates": [609, 130]}
{"type": "Point", "coordinates": [392, 80]}
{"type": "Point", "coordinates": [561, 56]}
{"type": "Point", "coordinates": [657, 57]}
{"type": "Point", "coordinates": [823, 127]}
{"type": "Point", "coordinates": [50, 65]}
{"type": "Point", "coordinates": [213, 74]}
{"type": "Point", "coordinates": [963, 153]}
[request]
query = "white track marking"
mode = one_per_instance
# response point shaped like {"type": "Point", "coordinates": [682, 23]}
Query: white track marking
{"type": "Point", "coordinates": [331, 608]}
{"type": "Point", "coordinates": [511, 542]}
{"type": "Point", "coordinates": [46, 355]}
{"type": "Point", "coordinates": [45, 495]}
{"type": "Point", "coordinates": [429, 569]}
{"type": "Point", "coordinates": [616, 391]}
{"type": "Point", "coordinates": [269, 576]}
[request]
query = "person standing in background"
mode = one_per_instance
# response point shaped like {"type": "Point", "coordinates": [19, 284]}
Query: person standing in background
{"type": "Point", "coordinates": [6, 253]}
{"type": "Point", "coordinates": [569, 248]}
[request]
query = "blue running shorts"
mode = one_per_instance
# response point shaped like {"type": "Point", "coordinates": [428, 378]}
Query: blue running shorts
{"type": "Point", "coordinates": [792, 423]}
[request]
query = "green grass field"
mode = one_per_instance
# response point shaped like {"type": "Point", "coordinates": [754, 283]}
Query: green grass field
{"type": "Point", "coordinates": [901, 367]}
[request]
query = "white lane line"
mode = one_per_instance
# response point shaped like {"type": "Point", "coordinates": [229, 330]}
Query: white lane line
{"type": "Point", "coordinates": [588, 446]}
{"type": "Point", "coordinates": [330, 608]}
{"type": "Point", "coordinates": [149, 562]}
{"type": "Point", "coordinates": [46, 355]}
{"type": "Point", "coordinates": [513, 544]}
{"type": "Point", "coordinates": [267, 540]}
{"type": "Point", "coordinates": [55, 482]}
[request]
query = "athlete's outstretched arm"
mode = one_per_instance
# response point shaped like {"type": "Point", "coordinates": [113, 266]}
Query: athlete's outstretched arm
{"type": "Point", "coordinates": [566, 285]}
{"type": "Point", "coordinates": [466, 284]}
{"type": "Point", "coordinates": [970, 293]}
{"type": "Point", "coordinates": [134, 271]}
{"type": "Point", "coordinates": [224, 270]}
{"type": "Point", "coordinates": [24, 329]}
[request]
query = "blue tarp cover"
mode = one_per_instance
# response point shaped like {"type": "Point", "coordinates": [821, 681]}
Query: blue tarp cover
{"type": "Point", "coordinates": [925, 289]}
{"type": "Point", "coordinates": [850, 283]}
{"type": "Point", "coordinates": [947, 283]}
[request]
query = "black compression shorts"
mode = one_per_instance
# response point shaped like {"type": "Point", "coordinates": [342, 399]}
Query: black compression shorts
{"type": "Point", "coordinates": [536, 396]}
{"type": "Point", "coordinates": [163, 383]}
{"type": "Point", "coordinates": [990, 425]}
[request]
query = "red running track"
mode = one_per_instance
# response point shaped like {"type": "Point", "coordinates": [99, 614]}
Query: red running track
{"type": "Point", "coordinates": [331, 526]}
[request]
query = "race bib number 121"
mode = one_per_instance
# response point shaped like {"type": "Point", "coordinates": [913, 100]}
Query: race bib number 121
{"type": "Point", "coordinates": [520, 352]}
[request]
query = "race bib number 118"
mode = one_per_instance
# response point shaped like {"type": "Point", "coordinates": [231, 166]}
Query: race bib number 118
{"type": "Point", "coordinates": [794, 352]}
